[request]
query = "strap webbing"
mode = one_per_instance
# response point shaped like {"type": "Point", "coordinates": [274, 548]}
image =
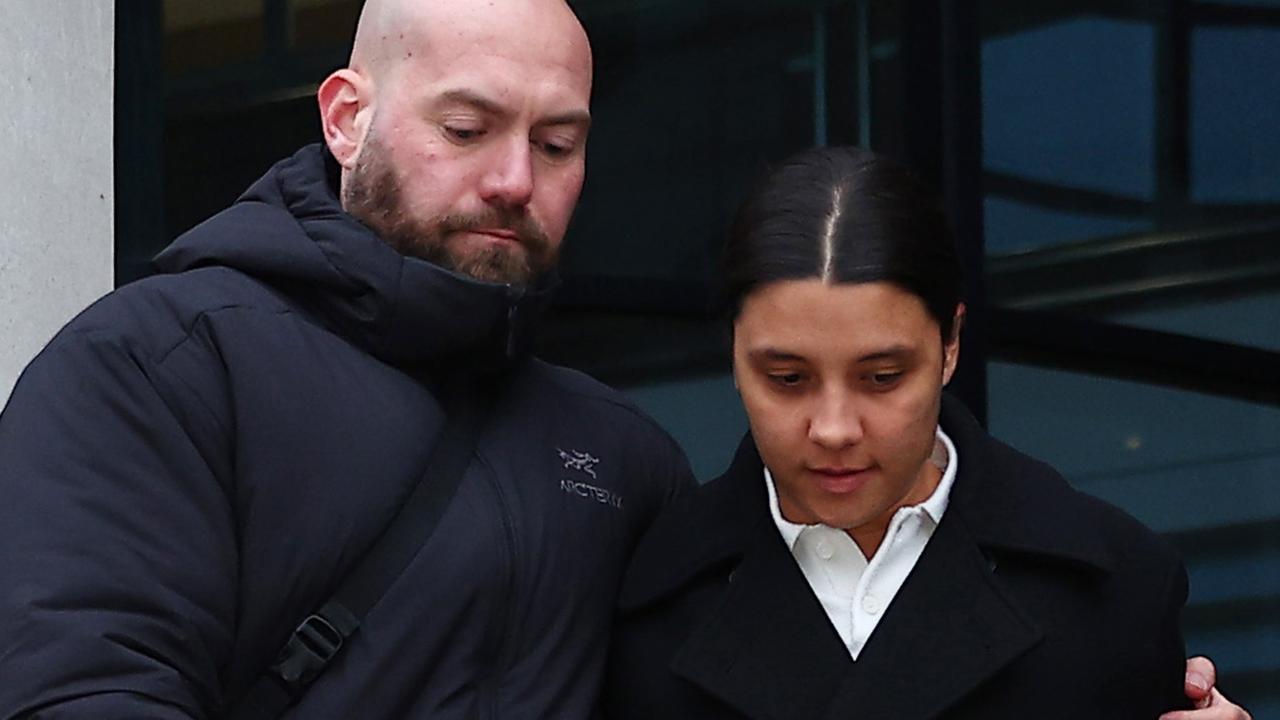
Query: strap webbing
{"type": "Point", "coordinates": [320, 636]}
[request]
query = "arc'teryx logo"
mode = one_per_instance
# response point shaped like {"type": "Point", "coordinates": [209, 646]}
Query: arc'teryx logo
{"type": "Point", "coordinates": [586, 463]}
{"type": "Point", "coordinates": [574, 460]}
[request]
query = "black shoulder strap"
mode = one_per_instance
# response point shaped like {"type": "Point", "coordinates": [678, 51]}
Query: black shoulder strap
{"type": "Point", "coordinates": [319, 638]}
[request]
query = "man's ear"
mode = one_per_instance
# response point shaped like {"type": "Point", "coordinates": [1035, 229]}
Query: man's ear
{"type": "Point", "coordinates": [346, 107]}
{"type": "Point", "coordinates": [951, 348]}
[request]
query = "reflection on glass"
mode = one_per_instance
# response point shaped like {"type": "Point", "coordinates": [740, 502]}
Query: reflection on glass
{"type": "Point", "coordinates": [1070, 101]}
{"type": "Point", "coordinates": [201, 35]}
{"type": "Point", "coordinates": [1202, 469]}
{"type": "Point", "coordinates": [1153, 450]}
{"type": "Point", "coordinates": [1235, 111]}
{"type": "Point", "coordinates": [691, 100]}
{"type": "Point", "coordinates": [1016, 227]}
{"type": "Point", "coordinates": [703, 414]}
{"type": "Point", "coordinates": [1132, 168]}
{"type": "Point", "coordinates": [322, 24]}
{"type": "Point", "coordinates": [1252, 320]}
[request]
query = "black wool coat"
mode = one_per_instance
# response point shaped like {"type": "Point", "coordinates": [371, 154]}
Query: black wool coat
{"type": "Point", "coordinates": [1031, 600]}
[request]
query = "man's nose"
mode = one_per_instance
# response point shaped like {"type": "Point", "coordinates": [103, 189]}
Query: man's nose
{"type": "Point", "coordinates": [835, 422]}
{"type": "Point", "coordinates": [508, 181]}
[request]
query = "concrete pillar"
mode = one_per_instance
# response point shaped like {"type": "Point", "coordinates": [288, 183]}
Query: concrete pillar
{"type": "Point", "coordinates": [56, 199]}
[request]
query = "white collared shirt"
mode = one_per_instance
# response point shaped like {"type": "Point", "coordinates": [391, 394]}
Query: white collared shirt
{"type": "Point", "coordinates": [854, 592]}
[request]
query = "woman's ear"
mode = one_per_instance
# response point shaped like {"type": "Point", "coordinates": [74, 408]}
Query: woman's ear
{"type": "Point", "coordinates": [951, 347]}
{"type": "Point", "coordinates": [346, 105]}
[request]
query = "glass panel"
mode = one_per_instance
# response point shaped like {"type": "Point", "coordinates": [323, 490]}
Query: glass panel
{"type": "Point", "coordinates": [1235, 157]}
{"type": "Point", "coordinates": [1080, 120]}
{"type": "Point", "coordinates": [1132, 171]}
{"type": "Point", "coordinates": [323, 24]}
{"type": "Point", "coordinates": [202, 35]}
{"type": "Point", "coordinates": [1013, 227]}
{"type": "Point", "coordinates": [1152, 450]}
{"type": "Point", "coordinates": [1250, 320]}
{"type": "Point", "coordinates": [1201, 469]}
{"type": "Point", "coordinates": [691, 100]}
{"type": "Point", "coordinates": [703, 414]}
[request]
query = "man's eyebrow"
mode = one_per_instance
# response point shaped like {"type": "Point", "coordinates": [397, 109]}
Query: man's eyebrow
{"type": "Point", "coordinates": [489, 106]}
{"type": "Point", "coordinates": [572, 117]}
{"type": "Point", "coordinates": [474, 99]}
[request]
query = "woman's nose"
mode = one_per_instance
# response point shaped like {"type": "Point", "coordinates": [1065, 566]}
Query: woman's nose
{"type": "Point", "coordinates": [835, 422]}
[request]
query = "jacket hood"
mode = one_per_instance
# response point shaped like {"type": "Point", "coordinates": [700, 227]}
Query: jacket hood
{"type": "Point", "coordinates": [289, 230]}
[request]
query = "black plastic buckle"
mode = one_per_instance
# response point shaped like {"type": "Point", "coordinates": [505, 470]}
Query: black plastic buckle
{"type": "Point", "coordinates": [314, 643]}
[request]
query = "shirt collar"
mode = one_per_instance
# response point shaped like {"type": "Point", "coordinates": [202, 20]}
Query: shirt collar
{"type": "Point", "coordinates": [790, 531]}
{"type": "Point", "coordinates": [934, 506]}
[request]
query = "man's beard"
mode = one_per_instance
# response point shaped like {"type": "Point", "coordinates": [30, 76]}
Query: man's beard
{"type": "Point", "coordinates": [373, 195]}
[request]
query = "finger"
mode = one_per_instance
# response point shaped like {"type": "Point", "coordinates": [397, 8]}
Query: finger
{"type": "Point", "coordinates": [1205, 667]}
{"type": "Point", "coordinates": [1201, 676]}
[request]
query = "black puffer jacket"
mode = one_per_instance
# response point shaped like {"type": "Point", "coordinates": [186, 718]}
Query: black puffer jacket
{"type": "Point", "coordinates": [194, 462]}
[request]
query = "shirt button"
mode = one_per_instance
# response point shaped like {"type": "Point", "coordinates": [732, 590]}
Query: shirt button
{"type": "Point", "coordinates": [871, 604]}
{"type": "Point", "coordinates": [824, 550]}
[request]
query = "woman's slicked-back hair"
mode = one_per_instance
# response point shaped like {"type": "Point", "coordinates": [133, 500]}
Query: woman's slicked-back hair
{"type": "Point", "coordinates": [844, 215]}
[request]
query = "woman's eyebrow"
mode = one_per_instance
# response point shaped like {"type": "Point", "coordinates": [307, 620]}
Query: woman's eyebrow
{"type": "Point", "coordinates": [773, 354]}
{"type": "Point", "coordinates": [893, 352]}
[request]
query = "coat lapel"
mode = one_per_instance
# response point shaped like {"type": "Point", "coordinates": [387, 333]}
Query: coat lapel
{"type": "Point", "coordinates": [768, 649]}
{"type": "Point", "coordinates": [948, 630]}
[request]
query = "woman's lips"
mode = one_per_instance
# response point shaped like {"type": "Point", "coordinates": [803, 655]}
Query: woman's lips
{"type": "Point", "coordinates": [841, 480]}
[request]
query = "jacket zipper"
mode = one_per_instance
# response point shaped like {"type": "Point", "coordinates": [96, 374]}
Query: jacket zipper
{"type": "Point", "coordinates": [500, 648]}
{"type": "Point", "coordinates": [514, 296]}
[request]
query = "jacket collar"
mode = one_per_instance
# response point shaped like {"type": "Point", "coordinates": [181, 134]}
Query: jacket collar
{"type": "Point", "coordinates": [289, 229]}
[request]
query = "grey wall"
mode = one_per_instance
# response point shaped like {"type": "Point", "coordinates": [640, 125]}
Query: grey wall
{"type": "Point", "coordinates": [56, 202]}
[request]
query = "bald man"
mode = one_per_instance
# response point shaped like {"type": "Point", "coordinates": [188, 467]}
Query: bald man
{"type": "Point", "coordinates": [461, 131]}
{"type": "Point", "coordinates": [196, 462]}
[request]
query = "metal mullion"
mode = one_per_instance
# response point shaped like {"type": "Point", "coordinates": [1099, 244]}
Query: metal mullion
{"type": "Point", "coordinates": [1148, 356]}
{"type": "Point", "coordinates": [1172, 161]}
{"type": "Point", "coordinates": [277, 29]}
{"type": "Point", "coordinates": [1220, 14]}
{"type": "Point", "coordinates": [138, 137]}
{"type": "Point", "coordinates": [961, 114]}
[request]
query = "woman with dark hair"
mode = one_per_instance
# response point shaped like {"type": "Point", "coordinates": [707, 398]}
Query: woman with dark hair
{"type": "Point", "coordinates": [871, 552]}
